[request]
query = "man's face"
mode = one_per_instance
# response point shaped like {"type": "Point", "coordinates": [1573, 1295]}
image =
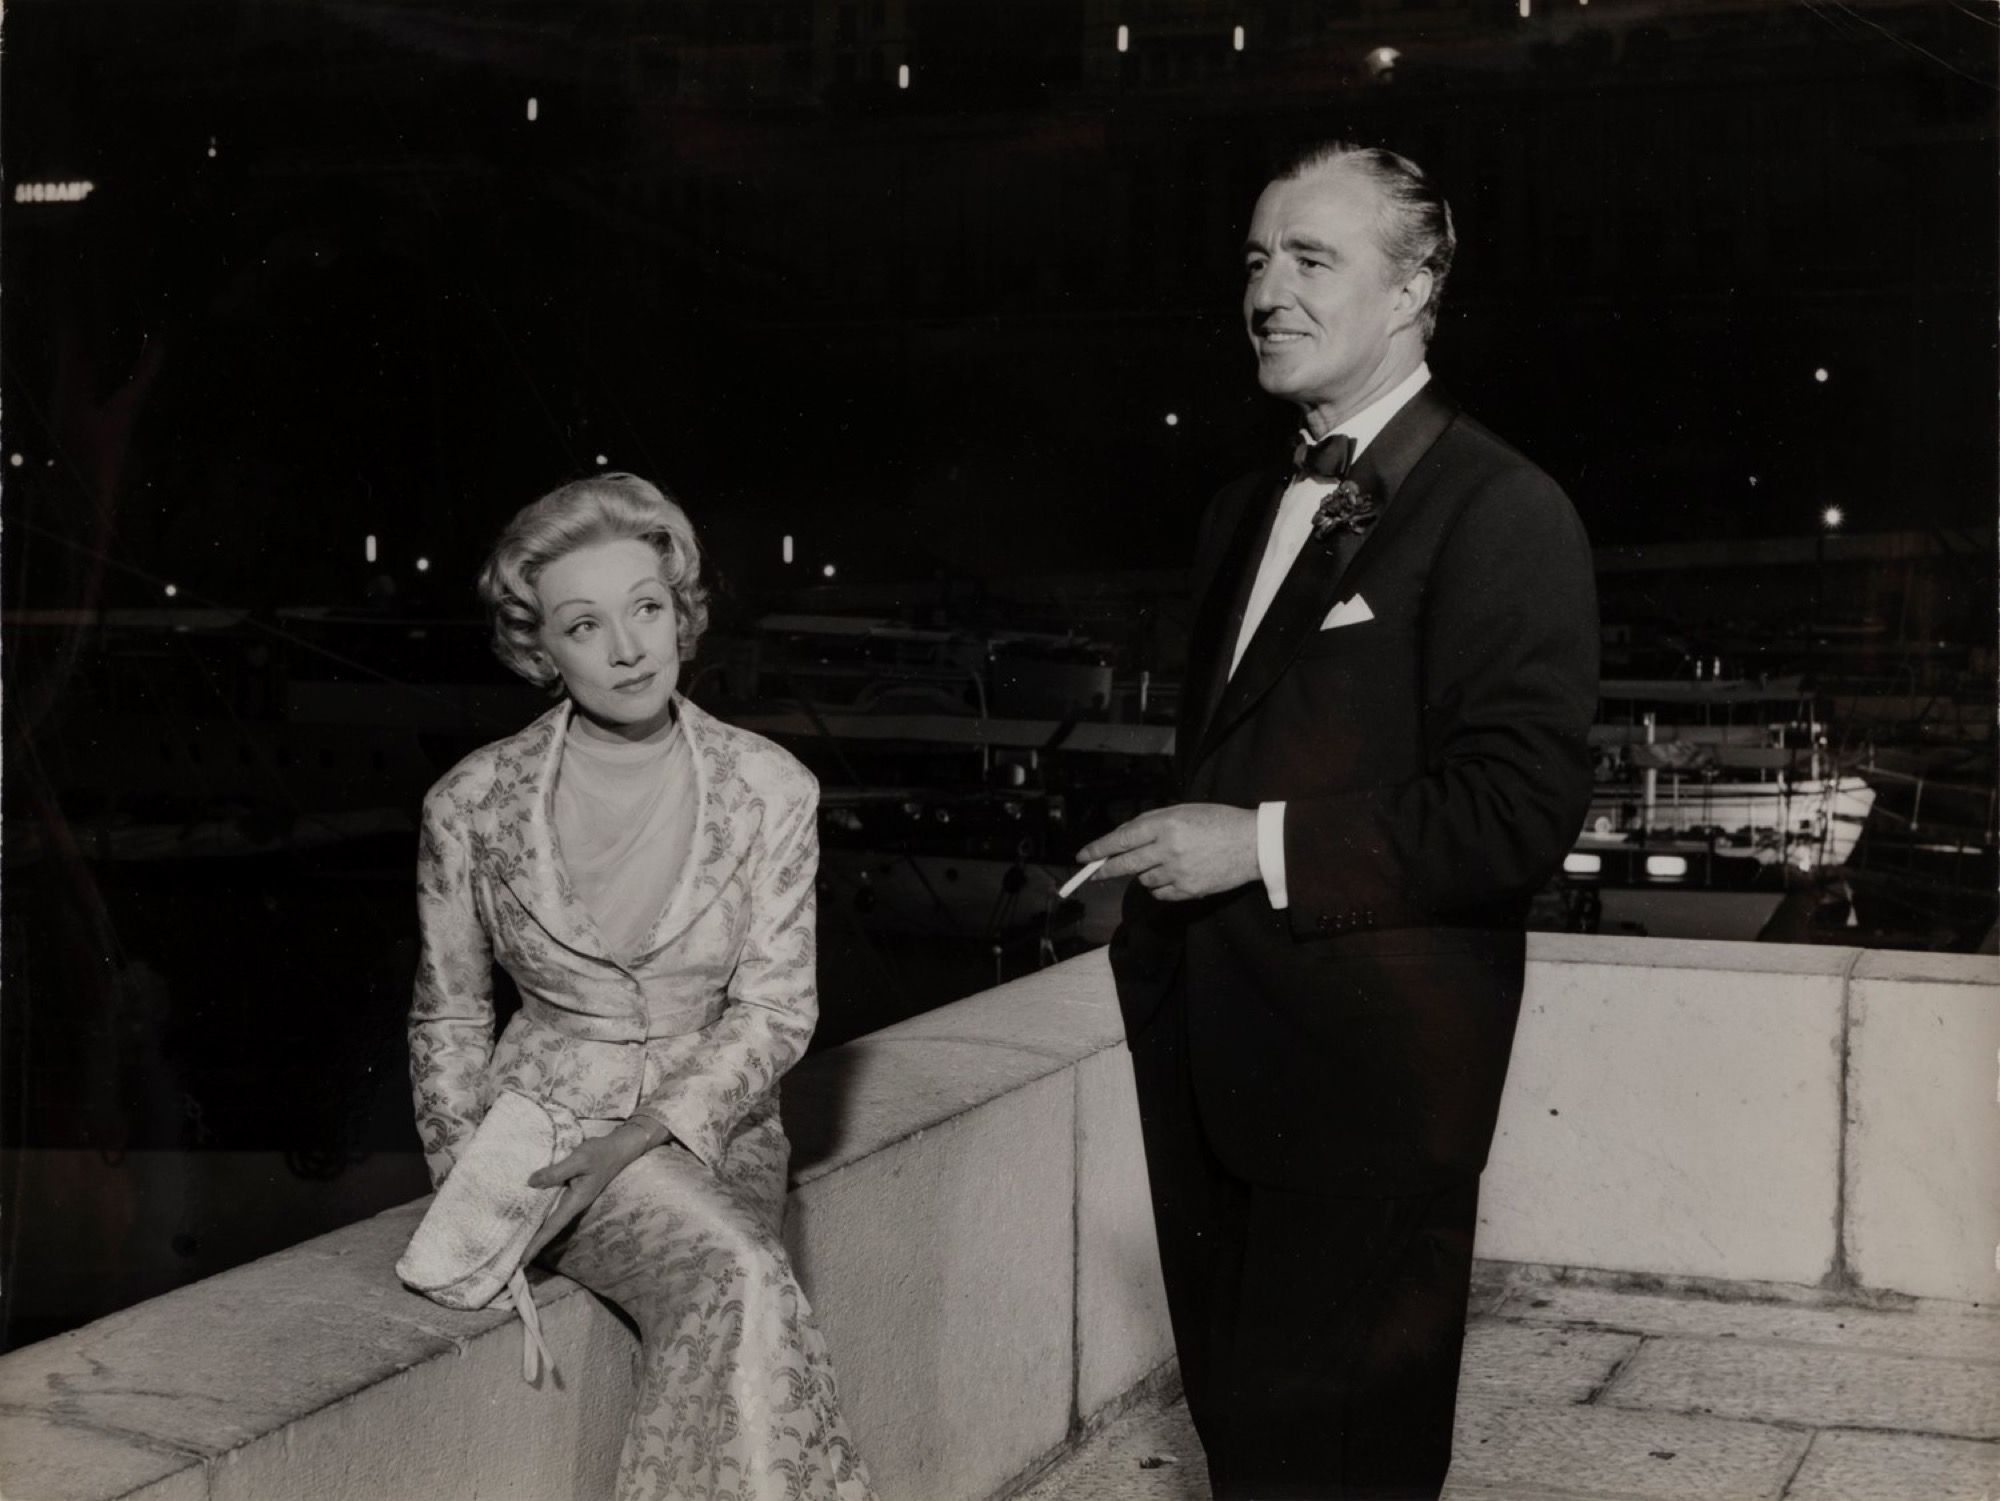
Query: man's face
{"type": "Point", "coordinates": [1321, 303]}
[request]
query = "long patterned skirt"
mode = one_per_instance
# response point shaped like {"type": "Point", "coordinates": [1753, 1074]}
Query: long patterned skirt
{"type": "Point", "coordinates": [736, 1394]}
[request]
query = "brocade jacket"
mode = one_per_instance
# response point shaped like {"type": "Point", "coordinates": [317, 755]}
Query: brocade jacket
{"type": "Point", "coordinates": [694, 1029]}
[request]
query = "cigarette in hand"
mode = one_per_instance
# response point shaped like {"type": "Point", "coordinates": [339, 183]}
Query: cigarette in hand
{"type": "Point", "coordinates": [1079, 878]}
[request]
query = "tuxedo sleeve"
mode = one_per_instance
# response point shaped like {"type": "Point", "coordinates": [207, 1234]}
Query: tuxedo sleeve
{"type": "Point", "coordinates": [1509, 689]}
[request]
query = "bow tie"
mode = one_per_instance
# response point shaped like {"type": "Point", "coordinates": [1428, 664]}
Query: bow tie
{"type": "Point", "coordinates": [1329, 458]}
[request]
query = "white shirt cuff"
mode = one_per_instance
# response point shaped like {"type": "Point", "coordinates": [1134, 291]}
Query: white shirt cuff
{"type": "Point", "coordinates": [1271, 852]}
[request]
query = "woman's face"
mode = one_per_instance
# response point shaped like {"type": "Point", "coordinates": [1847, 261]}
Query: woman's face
{"type": "Point", "coordinates": [608, 624]}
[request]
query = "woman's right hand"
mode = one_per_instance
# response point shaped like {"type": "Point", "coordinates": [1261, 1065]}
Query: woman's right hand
{"type": "Point", "coordinates": [586, 1172]}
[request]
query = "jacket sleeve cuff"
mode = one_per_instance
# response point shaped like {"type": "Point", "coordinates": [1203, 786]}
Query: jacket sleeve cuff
{"type": "Point", "coordinates": [691, 1132]}
{"type": "Point", "coordinates": [1271, 852]}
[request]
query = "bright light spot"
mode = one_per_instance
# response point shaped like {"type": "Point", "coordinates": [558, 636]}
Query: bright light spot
{"type": "Point", "coordinates": [368, 547]}
{"type": "Point", "coordinates": [16, 460]}
{"type": "Point", "coordinates": [1236, 40]}
{"type": "Point", "coordinates": [1832, 517]}
{"type": "Point", "coordinates": [1666, 867]}
{"type": "Point", "coordinates": [602, 460]}
{"type": "Point", "coordinates": [172, 590]}
{"type": "Point", "coordinates": [1753, 481]}
{"type": "Point", "coordinates": [828, 570]}
{"type": "Point", "coordinates": [211, 153]}
{"type": "Point", "coordinates": [1820, 375]}
{"type": "Point", "coordinates": [423, 565]}
{"type": "Point", "coordinates": [534, 110]}
{"type": "Point", "coordinates": [788, 547]}
{"type": "Point", "coordinates": [1124, 39]}
{"type": "Point", "coordinates": [1525, 5]}
{"type": "Point", "coordinates": [903, 76]}
{"type": "Point", "coordinates": [1382, 61]}
{"type": "Point", "coordinates": [53, 192]}
{"type": "Point", "coordinates": [1578, 863]}
{"type": "Point", "coordinates": [1173, 419]}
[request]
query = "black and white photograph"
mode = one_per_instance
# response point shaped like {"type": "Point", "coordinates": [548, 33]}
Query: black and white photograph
{"type": "Point", "coordinates": [999, 750]}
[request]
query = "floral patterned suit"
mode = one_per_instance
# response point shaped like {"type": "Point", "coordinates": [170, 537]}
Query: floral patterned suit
{"type": "Point", "coordinates": [693, 1030]}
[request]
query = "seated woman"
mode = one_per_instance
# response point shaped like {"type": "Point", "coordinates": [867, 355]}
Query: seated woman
{"type": "Point", "coordinates": [645, 874]}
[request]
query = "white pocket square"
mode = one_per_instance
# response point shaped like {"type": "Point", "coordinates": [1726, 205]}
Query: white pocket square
{"type": "Point", "coordinates": [1347, 612]}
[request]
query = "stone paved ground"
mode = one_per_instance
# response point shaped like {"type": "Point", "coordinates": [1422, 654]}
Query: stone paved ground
{"type": "Point", "coordinates": [1580, 1392]}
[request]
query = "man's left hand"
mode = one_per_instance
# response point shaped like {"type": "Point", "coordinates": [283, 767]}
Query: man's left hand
{"type": "Point", "coordinates": [1183, 852]}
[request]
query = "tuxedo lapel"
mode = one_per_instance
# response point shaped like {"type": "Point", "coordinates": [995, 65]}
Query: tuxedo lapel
{"type": "Point", "coordinates": [1308, 590]}
{"type": "Point", "coordinates": [1219, 618]}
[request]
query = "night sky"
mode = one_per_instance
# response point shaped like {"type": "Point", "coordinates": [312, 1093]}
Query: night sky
{"type": "Point", "coordinates": [332, 279]}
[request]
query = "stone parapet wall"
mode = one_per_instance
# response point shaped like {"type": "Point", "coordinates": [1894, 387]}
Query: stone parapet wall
{"type": "Point", "coordinates": [1741, 1112]}
{"type": "Point", "coordinates": [969, 1215]}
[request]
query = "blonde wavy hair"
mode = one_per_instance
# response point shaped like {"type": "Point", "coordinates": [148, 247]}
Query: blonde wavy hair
{"type": "Point", "coordinates": [602, 508]}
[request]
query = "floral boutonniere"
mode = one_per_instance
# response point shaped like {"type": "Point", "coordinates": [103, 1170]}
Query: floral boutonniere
{"type": "Point", "coordinates": [1346, 509]}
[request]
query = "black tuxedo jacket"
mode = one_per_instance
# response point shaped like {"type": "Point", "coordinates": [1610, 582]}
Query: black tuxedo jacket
{"type": "Point", "coordinates": [1434, 764]}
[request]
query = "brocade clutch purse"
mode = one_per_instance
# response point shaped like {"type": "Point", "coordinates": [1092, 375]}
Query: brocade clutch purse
{"type": "Point", "coordinates": [470, 1245]}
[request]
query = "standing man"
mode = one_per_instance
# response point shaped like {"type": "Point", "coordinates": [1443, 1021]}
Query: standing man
{"type": "Point", "coordinates": [1382, 748]}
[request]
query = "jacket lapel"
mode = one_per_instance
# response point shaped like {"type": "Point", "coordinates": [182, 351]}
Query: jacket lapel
{"type": "Point", "coordinates": [1309, 590]}
{"type": "Point", "coordinates": [1219, 617]}
{"type": "Point", "coordinates": [525, 833]}
{"type": "Point", "coordinates": [712, 824]}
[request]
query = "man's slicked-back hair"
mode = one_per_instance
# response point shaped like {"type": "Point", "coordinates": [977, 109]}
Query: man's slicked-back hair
{"type": "Point", "coordinates": [603, 508]}
{"type": "Point", "coordinates": [1416, 231]}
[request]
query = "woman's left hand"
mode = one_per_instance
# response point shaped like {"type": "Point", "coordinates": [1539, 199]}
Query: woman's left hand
{"type": "Point", "coordinates": [585, 1173]}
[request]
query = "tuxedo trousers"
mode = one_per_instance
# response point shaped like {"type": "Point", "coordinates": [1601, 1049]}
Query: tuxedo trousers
{"type": "Point", "coordinates": [1319, 1336]}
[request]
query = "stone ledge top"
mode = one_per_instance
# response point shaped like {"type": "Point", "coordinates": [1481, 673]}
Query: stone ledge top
{"type": "Point", "coordinates": [188, 1377]}
{"type": "Point", "coordinates": [1764, 958]}
{"type": "Point", "coordinates": [867, 1094]}
{"type": "Point", "coordinates": [1920, 967]}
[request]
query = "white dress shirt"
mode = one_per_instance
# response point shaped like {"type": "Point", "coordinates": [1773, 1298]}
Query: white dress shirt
{"type": "Point", "coordinates": [1288, 539]}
